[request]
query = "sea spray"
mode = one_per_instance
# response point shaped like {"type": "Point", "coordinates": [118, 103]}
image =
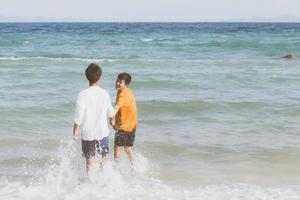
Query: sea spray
{"type": "Point", "coordinates": [66, 179]}
{"type": "Point", "coordinates": [67, 171]}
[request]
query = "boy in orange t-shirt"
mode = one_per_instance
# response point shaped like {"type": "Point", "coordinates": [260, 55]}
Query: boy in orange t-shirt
{"type": "Point", "coordinates": [125, 122]}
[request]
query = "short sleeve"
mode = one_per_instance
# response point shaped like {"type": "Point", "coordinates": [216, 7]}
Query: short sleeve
{"type": "Point", "coordinates": [110, 112]}
{"type": "Point", "coordinates": [120, 101]}
{"type": "Point", "coordinates": [79, 111]}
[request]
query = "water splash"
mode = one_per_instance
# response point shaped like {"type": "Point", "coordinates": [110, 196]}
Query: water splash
{"type": "Point", "coordinates": [67, 180]}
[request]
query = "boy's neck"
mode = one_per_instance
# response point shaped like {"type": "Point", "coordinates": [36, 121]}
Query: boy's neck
{"type": "Point", "coordinates": [124, 88]}
{"type": "Point", "coordinates": [94, 84]}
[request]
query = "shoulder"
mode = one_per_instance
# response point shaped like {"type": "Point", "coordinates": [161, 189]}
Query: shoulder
{"type": "Point", "coordinates": [103, 92]}
{"type": "Point", "coordinates": [122, 93]}
{"type": "Point", "coordinates": [83, 93]}
{"type": "Point", "coordinates": [130, 92]}
{"type": "Point", "coordinates": [82, 96]}
{"type": "Point", "coordinates": [126, 91]}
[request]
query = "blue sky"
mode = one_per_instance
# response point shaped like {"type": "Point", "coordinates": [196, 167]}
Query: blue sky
{"type": "Point", "coordinates": [150, 10]}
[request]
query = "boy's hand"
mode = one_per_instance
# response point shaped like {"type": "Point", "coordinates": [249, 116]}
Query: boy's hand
{"type": "Point", "coordinates": [75, 138]}
{"type": "Point", "coordinates": [115, 127]}
{"type": "Point", "coordinates": [112, 121]}
{"type": "Point", "coordinates": [75, 132]}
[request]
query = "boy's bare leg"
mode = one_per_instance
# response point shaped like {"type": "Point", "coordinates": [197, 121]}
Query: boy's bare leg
{"type": "Point", "coordinates": [130, 153]}
{"type": "Point", "coordinates": [117, 152]}
{"type": "Point", "coordinates": [88, 163]}
{"type": "Point", "coordinates": [103, 161]}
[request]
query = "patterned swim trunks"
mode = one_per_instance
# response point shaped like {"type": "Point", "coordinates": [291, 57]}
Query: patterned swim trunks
{"type": "Point", "coordinates": [89, 148]}
{"type": "Point", "coordinates": [124, 138]}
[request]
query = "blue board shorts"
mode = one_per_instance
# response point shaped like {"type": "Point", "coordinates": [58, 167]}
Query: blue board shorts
{"type": "Point", "coordinates": [89, 148]}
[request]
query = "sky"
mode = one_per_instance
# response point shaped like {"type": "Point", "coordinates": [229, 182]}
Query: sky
{"type": "Point", "coordinates": [149, 10]}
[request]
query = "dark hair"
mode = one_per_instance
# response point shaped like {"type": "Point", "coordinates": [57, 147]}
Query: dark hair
{"type": "Point", "coordinates": [93, 72]}
{"type": "Point", "coordinates": [126, 77]}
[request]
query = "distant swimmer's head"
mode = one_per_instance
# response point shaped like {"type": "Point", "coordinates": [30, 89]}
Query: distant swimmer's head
{"type": "Point", "coordinates": [93, 73]}
{"type": "Point", "coordinates": [123, 81]}
{"type": "Point", "coordinates": [289, 56]}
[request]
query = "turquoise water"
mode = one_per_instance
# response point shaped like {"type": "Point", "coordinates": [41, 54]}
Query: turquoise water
{"type": "Point", "coordinates": [218, 109]}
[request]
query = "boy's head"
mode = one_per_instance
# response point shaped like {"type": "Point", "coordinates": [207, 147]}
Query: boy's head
{"type": "Point", "coordinates": [93, 73]}
{"type": "Point", "coordinates": [123, 81]}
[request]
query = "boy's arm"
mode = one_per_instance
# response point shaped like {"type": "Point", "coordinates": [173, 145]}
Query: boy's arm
{"type": "Point", "coordinates": [111, 113]}
{"type": "Point", "coordinates": [119, 104]}
{"type": "Point", "coordinates": [77, 118]}
{"type": "Point", "coordinates": [75, 132]}
{"type": "Point", "coordinates": [117, 108]}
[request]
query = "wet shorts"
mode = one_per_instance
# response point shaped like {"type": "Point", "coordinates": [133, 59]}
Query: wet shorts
{"type": "Point", "coordinates": [123, 138]}
{"type": "Point", "coordinates": [89, 148]}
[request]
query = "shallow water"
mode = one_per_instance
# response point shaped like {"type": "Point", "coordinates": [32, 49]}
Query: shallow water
{"type": "Point", "coordinates": [218, 109]}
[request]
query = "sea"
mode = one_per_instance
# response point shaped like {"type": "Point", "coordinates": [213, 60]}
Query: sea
{"type": "Point", "coordinates": [218, 110]}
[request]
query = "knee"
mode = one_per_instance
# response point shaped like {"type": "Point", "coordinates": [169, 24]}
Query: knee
{"type": "Point", "coordinates": [88, 162]}
{"type": "Point", "coordinates": [117, 149]}
{"type": "Point", "coordinates": [128, 149]}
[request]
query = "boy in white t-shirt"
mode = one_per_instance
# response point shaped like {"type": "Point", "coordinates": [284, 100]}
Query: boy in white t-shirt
{"type": "Point", "coordinates": [93, 109]}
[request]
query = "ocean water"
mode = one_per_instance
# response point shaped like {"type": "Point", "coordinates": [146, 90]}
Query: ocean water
{"type": "Point", "coordinates": [219, 110]}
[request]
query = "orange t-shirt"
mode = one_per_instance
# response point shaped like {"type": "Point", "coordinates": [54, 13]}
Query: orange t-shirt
{"type": "Point", "coordinates": [126, 118]}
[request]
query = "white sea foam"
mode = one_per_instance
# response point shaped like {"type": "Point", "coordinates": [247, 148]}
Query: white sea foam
{"type": "Point", "coordinates": [147, 39]}
{"type": "Point", "coordinates": [67, 180]}
{"type": "Point", "coordinates": [12, 58]}
{"type": "Point", "coordinates": [206, 60]}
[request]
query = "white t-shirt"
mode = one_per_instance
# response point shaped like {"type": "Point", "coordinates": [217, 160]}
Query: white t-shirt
{"type": "Point", "coordinates": [93, 108]}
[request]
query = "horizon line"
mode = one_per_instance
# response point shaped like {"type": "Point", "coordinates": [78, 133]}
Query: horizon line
{"type": "Point", "coordinates": [225, 21]}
